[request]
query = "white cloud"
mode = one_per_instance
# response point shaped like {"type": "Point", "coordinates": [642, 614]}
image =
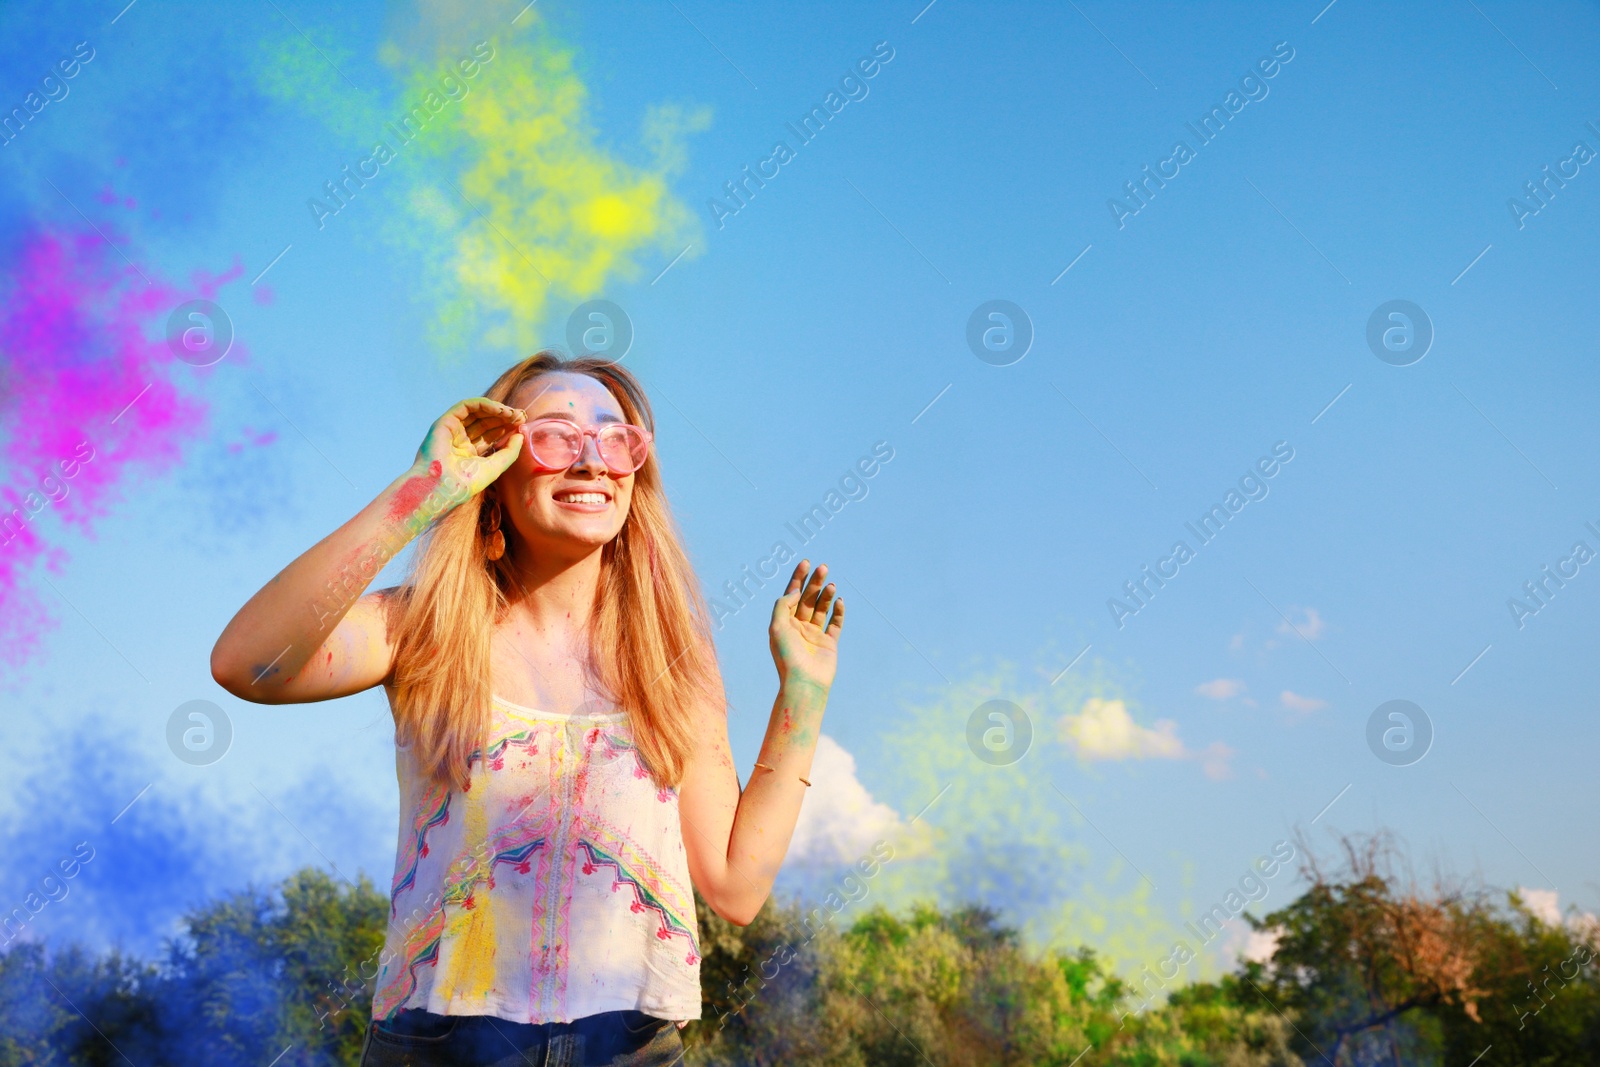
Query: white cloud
{"type": "Point", "coordinates": [1257, 946]}
{"type": "Point", "coordinates": [1220, 688]}
{"type": "Point", "coordinates": [1585, 926]}
{"type": "Point", "coordinates": [1295, 702]}
{"type": "Point", "coordinates": [1104, 730]}
{"type": "Point", "coordinates": [839, 820]}
{"type": "Point", "coordinates": [1544, 903]}
{"type": "Point", "coordinates": [1214, 761]}
{"type": "Point", "coordinates": [1310, 625]}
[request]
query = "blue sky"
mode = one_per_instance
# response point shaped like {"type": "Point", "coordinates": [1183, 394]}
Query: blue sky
{"type": "Point", "coordinates": [825, 317]}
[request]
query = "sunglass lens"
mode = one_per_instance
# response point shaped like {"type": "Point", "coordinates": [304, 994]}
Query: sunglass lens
{"type": "Point", "coordinates": [623, 448]}
{"type": "Point", "coordinates": [554, 445]}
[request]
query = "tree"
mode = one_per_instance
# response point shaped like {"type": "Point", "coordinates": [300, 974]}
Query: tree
{"type": "Point", "coordinates": [280, 970]}
{"type": "Point", "coordinates": [1544, 1002]}
{"type": "Point", "coordinates": [56, 1010]}
{"type": "Point", "coordinates": [291, 969]}
{"type": "Point", "coordinates": [1378, 971]}
{"type": "Point", "coordinates": [761, 991]}
{"type": "Point", "coordinates": [1367, 970]}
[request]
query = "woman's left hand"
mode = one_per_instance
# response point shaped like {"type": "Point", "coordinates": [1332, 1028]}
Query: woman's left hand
{"type": "Point", "coordinates": [805, 643]}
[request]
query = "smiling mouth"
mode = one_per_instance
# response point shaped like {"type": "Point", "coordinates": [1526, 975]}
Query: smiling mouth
{"type": "Point", "coordinates": [582, 498]}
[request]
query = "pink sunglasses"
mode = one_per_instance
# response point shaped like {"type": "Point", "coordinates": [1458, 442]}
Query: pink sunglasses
{"type": "Point", "coordinates": [556, 443]}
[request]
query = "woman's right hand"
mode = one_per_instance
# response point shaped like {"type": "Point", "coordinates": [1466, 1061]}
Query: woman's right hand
{"type": "Point", "coordinates": [310, 634]}
{"type": "Point", "coordinates": [472, 444]}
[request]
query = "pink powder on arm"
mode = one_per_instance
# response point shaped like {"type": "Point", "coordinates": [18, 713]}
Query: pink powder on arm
{"type": "Point", "coordinates": [412, 492]}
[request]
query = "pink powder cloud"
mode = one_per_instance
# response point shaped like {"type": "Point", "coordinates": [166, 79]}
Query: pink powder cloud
{"type": "Point", "coordinates": [92, 401]}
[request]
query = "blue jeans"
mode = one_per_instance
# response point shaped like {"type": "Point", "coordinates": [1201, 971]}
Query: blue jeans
{"type": "Point", "coordinates": [418, 1038]}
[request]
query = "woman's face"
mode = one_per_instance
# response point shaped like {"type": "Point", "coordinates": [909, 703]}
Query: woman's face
{"type": "Point", "coordinates": [565, 513]}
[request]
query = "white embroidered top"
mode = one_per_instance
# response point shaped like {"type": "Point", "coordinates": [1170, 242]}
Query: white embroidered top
{"type": "Point", "coordinates": [554, 887]}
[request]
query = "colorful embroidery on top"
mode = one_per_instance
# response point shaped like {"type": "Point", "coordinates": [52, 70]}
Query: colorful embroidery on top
{"type": "Point", "coordinates": [555, 886]}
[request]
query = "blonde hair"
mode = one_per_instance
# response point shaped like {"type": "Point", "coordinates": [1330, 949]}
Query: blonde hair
{"type": "Point", "coordinates": [650, 644]}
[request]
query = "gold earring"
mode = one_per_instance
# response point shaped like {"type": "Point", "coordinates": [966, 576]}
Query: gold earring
{"type": "Point", "coordinates": [497, 539]}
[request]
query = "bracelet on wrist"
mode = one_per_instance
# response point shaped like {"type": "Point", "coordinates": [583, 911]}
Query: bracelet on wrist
{"type": "Point", "coordinates": [769, 767]}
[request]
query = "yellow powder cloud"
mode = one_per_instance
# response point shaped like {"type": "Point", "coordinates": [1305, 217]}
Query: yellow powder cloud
{"type": "Point", "coordinates": [1008, 835]}
{"type": "Point", "coordinates": [507, 199]}
{"type": "Point", "coordinates": [538, 211]}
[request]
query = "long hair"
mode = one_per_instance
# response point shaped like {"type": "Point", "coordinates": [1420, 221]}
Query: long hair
{"type": "Point", "coordinates": [650, 643]}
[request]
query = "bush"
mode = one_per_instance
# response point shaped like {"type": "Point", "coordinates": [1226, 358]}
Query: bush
{"type": "Point", "coordinates": [1367, 969]}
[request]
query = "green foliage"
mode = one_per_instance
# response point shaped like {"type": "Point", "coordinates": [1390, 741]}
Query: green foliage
{"type": "Point", "coordinates": [761, 990]}
{"type": "Point", "coordinates": [950, 988]}
{"type": "Point", "coordinates": [286, 969]}
{"type": "Point", "coordinates": [253, 971]}
{"type": "Point", "coordinates": [41, 998]}
{"type": "Point", "coordinates": [1378, 972]}
{"type": "Point", "coordinates": [1542, 997]}
{"type": "Point", "coordinates": [1365, 971]}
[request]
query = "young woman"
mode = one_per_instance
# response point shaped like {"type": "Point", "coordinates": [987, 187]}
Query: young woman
{"type": "Point", "coordinates": [561, 743]}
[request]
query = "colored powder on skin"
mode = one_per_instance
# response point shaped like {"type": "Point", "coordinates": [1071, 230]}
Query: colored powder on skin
{"type": "Point", "coordinates": [412, 492]}
{"type": "Point", "coordinates": [352, 569]}
{"type": "Point", "coordinates": [85, 371]}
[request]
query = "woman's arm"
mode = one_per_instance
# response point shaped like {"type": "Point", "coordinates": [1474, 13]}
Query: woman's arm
{"type": "Point", "coordinates": [736, 841]}
{"type": "Point", "coordinates": [309, 634]}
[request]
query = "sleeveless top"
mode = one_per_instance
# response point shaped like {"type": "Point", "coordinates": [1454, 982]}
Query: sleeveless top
{"type": "Point", "coordinates": [554, 887]}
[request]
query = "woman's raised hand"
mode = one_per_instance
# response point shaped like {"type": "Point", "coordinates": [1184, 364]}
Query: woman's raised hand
{"type": "Point", "coordinates": [310, 633]}
{"type": "Point", "coordinates": [805, 642]}
{"type": "Point", "coordinates": [472, 444]}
